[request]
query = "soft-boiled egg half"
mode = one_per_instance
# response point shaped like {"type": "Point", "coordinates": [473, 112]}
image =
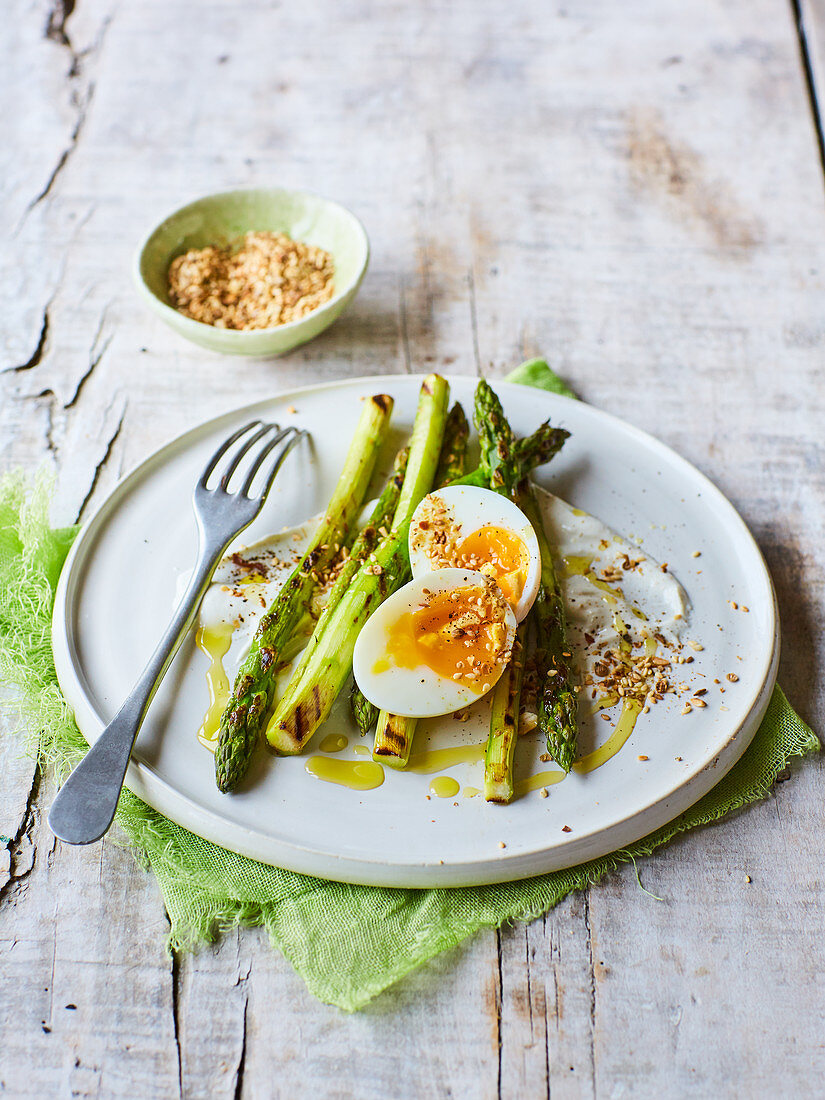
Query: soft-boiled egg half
{"type": "Point", "coordinates": [436, 645]}
{"type": "Point", "coordinates": [465, 527]}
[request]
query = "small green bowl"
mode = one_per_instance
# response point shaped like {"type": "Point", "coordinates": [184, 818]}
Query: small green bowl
{"type": "Point", "coordinates": [220, 219]}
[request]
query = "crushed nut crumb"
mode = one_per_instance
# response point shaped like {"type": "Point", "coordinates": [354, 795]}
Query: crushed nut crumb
{"type": "Point", "coordinates": [268, 281]}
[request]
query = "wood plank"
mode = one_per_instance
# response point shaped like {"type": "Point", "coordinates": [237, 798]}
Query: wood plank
{"type": "Point", "coordinates": [86, 1006]}
{"type": "Point", "coordinates": [212, 1017]}
{"type": "Point", "coordinates": [435, 1033]}
{"type": "Point", "coordinates": [547, 1018]}
{"type": "Point", "coordinates": [640, 199]}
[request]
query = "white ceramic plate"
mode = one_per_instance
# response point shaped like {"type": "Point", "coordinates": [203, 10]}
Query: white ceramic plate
{"type": "Point", "coordinates": [117, 591]}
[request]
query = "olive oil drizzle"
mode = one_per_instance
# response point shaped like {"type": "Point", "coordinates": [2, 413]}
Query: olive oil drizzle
{"type": "Point", "coordinates": [631, 709]}
{"type": "Point", "coordinates": [444, 786]}
{"type": "Point", "coordinates": [334, 742]}
{"type": "Point", "coordinates": [214, 642]}
{"type": "Point", "coordinates": [536, 782]}
{"type": "Point", "coordinates": [358, 775]}
{"type": "Point", "coordinates": [436, 760]}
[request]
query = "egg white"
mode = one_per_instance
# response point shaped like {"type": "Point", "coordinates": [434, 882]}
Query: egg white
{"type": "Point", "coordinates": [472, 508]}
{"type": "Point", "coordinates": [416, 692]}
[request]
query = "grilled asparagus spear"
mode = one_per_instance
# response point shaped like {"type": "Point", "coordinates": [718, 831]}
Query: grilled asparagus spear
{"type": "Point", "coordinates": [452, 461]}
{"type": "Point", "coordinates": [365, 714]}
{"type": "Point", "coordinates": [504, 459]}
{"type": "Point", "coordinates": [504, 719]}
{"type": "Point", "coordinates": [308, 698]}
{"type": "Point", "coordinates": [496, 439]}
{"type": "Point", "coordinates": [394, 734]}
{"type": "Point", "coordinates": [451, 464]}
{"type": "Point", "coordinates": [363, 711]}
{"type": "Point", "coordinates": [365, 543]}
{"type": "Point", "coordinates": [247, 710]}
{"type": "Point", "coordinates": [557, 704]}
{"type": "Point", "coordinates": [500, 454]}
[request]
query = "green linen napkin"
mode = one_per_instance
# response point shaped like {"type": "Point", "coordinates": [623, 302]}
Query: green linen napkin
{"type": "Point", "coordinates": [348, 943]}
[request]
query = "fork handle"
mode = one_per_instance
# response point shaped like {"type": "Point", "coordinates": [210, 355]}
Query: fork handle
{"type": "Point", "coordinates": [86, 803]}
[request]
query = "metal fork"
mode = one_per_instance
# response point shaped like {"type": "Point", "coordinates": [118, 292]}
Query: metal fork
{"type": "Point", "coordinates": [86, 803]}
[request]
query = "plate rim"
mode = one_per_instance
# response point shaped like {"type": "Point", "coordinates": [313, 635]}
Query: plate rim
{"type": "Point", "coordinates": [573, 849]}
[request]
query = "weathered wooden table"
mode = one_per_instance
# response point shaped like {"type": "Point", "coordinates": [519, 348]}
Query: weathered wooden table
{"type": "Point", "coordinates": [633, 190]}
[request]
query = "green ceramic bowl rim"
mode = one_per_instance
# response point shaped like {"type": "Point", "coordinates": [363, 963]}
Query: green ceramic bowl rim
{"type": "Point", "coordinates": [179, 318]}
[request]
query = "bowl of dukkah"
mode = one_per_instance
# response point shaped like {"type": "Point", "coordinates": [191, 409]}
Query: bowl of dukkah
{"type": "Point", "coordinates": [253, 272]}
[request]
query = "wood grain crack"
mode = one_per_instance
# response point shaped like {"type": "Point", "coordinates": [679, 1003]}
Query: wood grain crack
{"type": "Point", "coordinates": [239, 1069]}
{"type": "Point", "coordinates": [82, 103]}
{"type": "Point", "coordinates": [175, 974]}
{"type": "Point", "coordinates": [403, 326]}
{"type": "Point", "coordinates": [51, 446]}
{"type": "Point", "coordinates": [36, 356]}
{"type": "Point", "coordinates": [499, 1002]}
{"type": "Point", "coordinates": [56, 24]}
{"type": "Point", "coordinates": [23, 838]}
{"type": "Point", "coordinates": [96, 352]}
{"type": "Point", "coordinates": [107, 454]}
{"type": "Point", "coordinates": [807, 58]}
{"type": "Point", "coordinates": [56, 31]}
{"type": "Point", "coordinates": [471, 288]}
{"type": "Point", "coordinates": [592, 991]}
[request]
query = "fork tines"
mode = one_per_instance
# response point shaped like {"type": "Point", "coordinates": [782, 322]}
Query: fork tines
{"type": "Point", "coordinates": [286, 436]}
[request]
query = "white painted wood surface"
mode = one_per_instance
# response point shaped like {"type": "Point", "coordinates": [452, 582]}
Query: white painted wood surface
{"type": "Point", "coordinates": [635, 191]}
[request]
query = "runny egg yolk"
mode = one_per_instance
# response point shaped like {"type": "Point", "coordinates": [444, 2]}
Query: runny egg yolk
{"type": "Point", "coordinates": [460, 634]}
{"type": "Point", "coordinates": [499, 553]}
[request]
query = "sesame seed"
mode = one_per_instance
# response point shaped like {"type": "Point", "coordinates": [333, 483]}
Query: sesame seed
{"type": "Point", "coordinates": [696, 554]}
{"type": "Point", "coordinates": [732, 677]}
